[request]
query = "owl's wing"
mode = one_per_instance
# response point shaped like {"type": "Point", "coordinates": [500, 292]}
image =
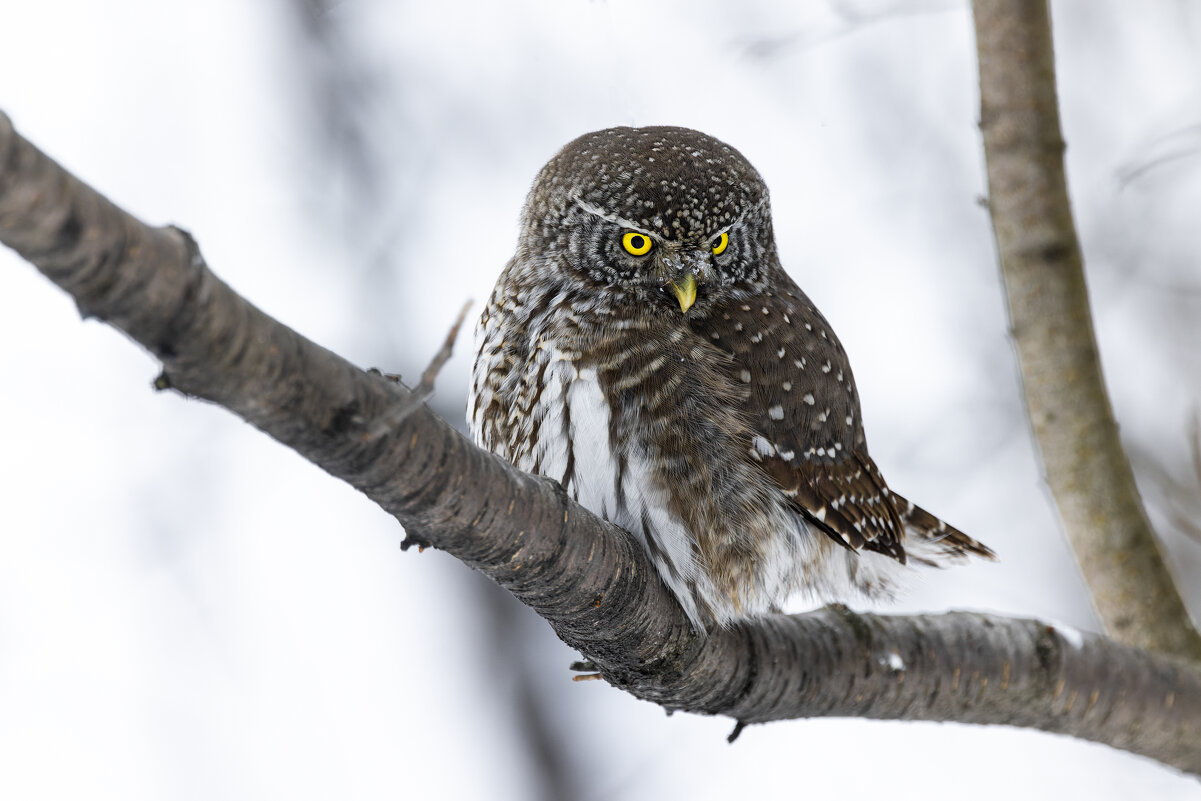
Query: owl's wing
{"type": "Point", "coordinates": [846, 499]}
{"type": "Point", "coordinates": [804, 415]}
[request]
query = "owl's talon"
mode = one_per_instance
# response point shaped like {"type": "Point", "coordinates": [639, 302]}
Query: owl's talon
{"type": "Point", "coordinates": [588, 665]}
{"type": "Point", "coordinates": [395, 378]}
{"type": "Point", "coordinates": [414, 542]}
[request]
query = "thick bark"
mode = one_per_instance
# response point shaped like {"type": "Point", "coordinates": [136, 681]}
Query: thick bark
{"type": "Point", "coordinates": [1086, 467]}
{"type": "Point", "coordinates": [588, 579]}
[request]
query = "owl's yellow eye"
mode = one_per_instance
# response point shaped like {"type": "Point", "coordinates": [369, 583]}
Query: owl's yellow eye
{"type": "Point", "coordinates": [719, 247]}
{"type": "Point", "coordinates": [636, 244]}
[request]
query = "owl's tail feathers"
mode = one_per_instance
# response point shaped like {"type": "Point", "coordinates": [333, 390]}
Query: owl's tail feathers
{"type": "Point", "coordinates": [932, 542]}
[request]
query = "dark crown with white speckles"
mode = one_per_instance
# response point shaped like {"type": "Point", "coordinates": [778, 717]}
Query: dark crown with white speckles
{"type": "Point", "coordinates": [678, 183]}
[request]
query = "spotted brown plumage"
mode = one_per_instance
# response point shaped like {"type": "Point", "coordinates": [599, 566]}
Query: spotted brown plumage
{"type": "Point", "coordinates": [645, 349]}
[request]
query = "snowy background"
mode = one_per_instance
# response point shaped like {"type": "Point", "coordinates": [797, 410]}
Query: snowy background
{"type": "Point", "coordinates": [190, 611]}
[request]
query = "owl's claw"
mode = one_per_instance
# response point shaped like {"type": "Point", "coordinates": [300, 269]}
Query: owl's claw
{"type": "Point", "coordinates": [395, 378]}
{"type": "Point", "coordinates": [585, 665]}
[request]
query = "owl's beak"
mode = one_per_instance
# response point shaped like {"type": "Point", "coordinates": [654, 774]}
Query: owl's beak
{"type": "Point", "coordinates": [685, 291]}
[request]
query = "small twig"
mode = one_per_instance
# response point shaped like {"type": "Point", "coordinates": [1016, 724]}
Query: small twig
{"type": "Point", "coordinates": [443, 355]}
{"type": "Point", "coordinates": [1194, 444]}
{"type": "Point", "coordinates": [1182, 519]}
{"type": "Point", "coordinates": [1179, 501]}
{"type": "Point", "coordinates": [1185, 525]}
{"type": "Point", "coordinates": [425, 388]}
{"type": "Point", "coordinates": [1181, 498]}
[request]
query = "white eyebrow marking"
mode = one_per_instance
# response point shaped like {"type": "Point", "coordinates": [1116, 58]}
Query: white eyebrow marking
{"type": "Point", "coordinates": [596, 211]}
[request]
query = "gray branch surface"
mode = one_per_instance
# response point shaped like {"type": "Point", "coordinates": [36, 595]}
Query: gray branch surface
{"type": "Point", "coordinates": [588, 579]}
{"type": "Point", "coordinates": [1086, 467]}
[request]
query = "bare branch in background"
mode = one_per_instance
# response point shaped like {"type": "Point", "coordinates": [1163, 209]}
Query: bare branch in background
{"type": "Point", "coordinates": [1180, 498]}
{"type": "Point", "coordinates": [1073, 421]}
{"type": "Point", "coordinates": [588, 579]}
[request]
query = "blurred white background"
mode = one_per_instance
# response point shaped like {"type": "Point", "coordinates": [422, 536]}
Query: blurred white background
{"type": "Point", "coordinates": [190, 611]}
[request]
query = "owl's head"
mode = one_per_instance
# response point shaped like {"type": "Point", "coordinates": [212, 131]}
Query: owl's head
{"type": "Point", "coordinates": [660, 214]}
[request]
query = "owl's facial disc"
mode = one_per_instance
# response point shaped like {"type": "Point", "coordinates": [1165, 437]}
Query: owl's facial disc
{"type": "Point", "coordinates": [632, 210]}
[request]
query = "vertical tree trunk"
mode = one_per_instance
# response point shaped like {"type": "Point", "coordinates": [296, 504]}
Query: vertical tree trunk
{"type": "Point", "coordinates": [1069, 409]}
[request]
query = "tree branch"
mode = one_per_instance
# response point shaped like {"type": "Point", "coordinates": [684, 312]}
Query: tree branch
{"type": "Point", "coordinates": [588, 579]}
{"type": "Point", "coordinates": [1069, 409]}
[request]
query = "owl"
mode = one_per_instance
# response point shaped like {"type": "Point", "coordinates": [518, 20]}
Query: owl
{"type": "Point", "coordinates": [645, 349]}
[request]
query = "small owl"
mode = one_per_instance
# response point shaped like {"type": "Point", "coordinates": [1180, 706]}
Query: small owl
{"type": "Point", "coordinates": [645, 349]}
